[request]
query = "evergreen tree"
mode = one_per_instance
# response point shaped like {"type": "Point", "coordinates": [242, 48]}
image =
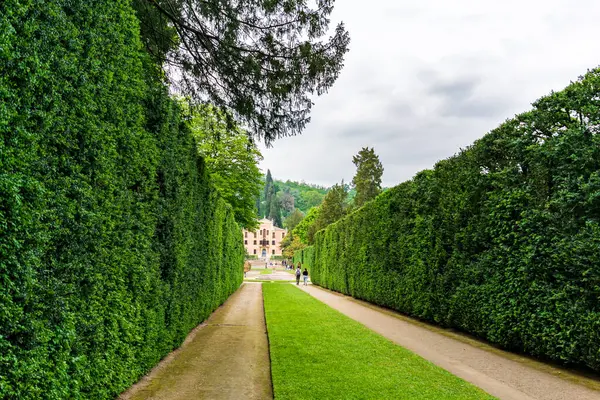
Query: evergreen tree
{"type": "Point", "coordinates": [261, 60]}
{"type": "Point", "coordinates": [268, 194]}
{"type": "Point", "coordinates": [275, 210]}
{"type": "Point", "coordinates": [258, 210]}
{"type": "Point", "coordinates": [367, 180]}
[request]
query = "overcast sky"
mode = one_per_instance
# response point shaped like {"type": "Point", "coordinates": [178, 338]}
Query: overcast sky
{"type": "Point", "coordinates": [426, 78]}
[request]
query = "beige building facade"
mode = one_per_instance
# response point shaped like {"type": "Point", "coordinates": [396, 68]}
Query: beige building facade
{"type": "Point", "coordinates": [266, 241]}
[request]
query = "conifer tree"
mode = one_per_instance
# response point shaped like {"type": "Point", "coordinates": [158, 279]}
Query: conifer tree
{"type": "Point", "coordinates": [275, 210]}
{"type": "Point", "coordinates": [268, 194]}
{"type": "Point", "coordinates": [367, 180]}
{"type": "Point", "coordinates": [261, 60]}
{"type": "Point", "coordinates": [258, 210]}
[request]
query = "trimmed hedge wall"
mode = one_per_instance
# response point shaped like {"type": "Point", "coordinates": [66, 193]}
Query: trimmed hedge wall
{"type": "Point", "coordinates": [501, 240]}
{"type": "Point", "coordinates": [113, 245]}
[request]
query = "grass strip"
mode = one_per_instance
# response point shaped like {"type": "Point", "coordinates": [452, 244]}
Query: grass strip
{"type": "Point", "coordinates": [319, 353]}
{"type": "Point", "coordinates": [266, 271]}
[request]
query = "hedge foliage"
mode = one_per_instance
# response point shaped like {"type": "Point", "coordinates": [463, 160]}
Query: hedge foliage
{"type": "Point", "coordinates": [501, 240]}
{"type": "Point", "coordinates": [113, 244]}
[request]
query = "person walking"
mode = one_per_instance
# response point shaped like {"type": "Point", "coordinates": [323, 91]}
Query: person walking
{"type": "Point", "coordinates": [298, 273]}
{"type": "Point", "coordinates": [305, 276]}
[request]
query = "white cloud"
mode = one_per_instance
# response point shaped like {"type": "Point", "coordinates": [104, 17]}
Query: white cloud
{"type": "Point", "coordinates": [424, 79]}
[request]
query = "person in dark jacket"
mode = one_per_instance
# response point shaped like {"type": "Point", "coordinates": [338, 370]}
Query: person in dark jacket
{"type": "Point", "coordinates": [305, 276]}
{"type": "Point", "coordinates": [298, 273]}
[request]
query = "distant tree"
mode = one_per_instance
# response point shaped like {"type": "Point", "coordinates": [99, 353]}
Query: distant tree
{"type": "Point", "coordinates": [351, 195]}
{"type": "Point", "coordinates": [275, 210]}
{"type": "Point", "coordinates": [268, 193]}
{"type": "Point", "coordinates": [292, 245]}
{"type": "Point", "coordinates": [312, 198]}
{"type": "Point", "coordinates": [301, 230]}
{"type": "Point", "coordinates": [268, 181]}
{"type": "Point", "coordinates": [293, 219]}
{"type": "Point", "coordinates": [367, 180]}
{"type": "Point", "coordinates": [258, 210]}
{"type": "Point", "coordinates": [305, 196]}
{"type": "Point", "coordinates": [262, 60]}
{"type": "Point", "coordinates": [232, 160]}
{"type": "Point", "coordinates": [286, 201]}
{"type": "Point", "coordinates": [334, 205]}
{"type": "Point", "coordinates": [333, 208]}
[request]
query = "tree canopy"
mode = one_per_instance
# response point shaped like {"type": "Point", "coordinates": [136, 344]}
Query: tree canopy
{"type": "Point", "coordinates": [275, 210]}
{"type": "Point", "coordinates": [298, 226]}
{"type": "Point", "coordinates": [301, 230]}
{"type": "Point", "coordinates": [293, 219]}
{"type": "Point", "coordinates": [334, 207]}
{"type": "Point", "coordinates": [292, 195]}
{"type": "Point", "coordinates": [262, 60]}
{"type": "Point", "coordinates": [267, 188]}
{"type": "Point", "coordinates": [271, 201]}
{"type": "Point", "coordinates": [286, 202]}
{"type": "Point", "coordinates": [232, 160]}
{"type": "Point", "coordinates": [367, 180]}
{"type": "Point", "coordinates": [292, 245]}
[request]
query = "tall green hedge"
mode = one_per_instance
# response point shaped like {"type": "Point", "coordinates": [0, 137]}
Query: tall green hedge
{"type": "Point", "coordinates": [501, 240]}
{"type": "Point", "coordinates": [113, 245]}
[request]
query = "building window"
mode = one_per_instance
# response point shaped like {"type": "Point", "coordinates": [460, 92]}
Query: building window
{"type": "Point", "coordinates": [273, 242]}
{"type": "Point", "coordinates": [255, 242]}
{"type": "Point", "coordinates": [273, 235]}
{"type": "Point", "coordinates": [282, 235]}
{"type": "Point", "coordinates": [254, 235]}
{"type": "Point", "coordinates": [245, 234]}
{"type": "Point", "coordinates": [273, 252]}
{"type": "Point", "coordinates": [245, 242]}
{"type": "Point", "coordinates": [254, 251]}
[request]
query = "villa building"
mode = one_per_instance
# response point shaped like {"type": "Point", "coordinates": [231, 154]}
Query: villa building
{"type": "Point", "coordinates": [266, 241]}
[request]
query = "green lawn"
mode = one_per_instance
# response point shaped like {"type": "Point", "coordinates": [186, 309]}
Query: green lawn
{"type": "Point", "coordinates": [319, 353]}
{"type": "Point", "coordinates": [266, 271]}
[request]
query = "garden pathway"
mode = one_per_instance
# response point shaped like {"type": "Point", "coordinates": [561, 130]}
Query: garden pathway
{"type": "Point", "coordinates": [502, 374]}
{"type": "Point", "coordinates": [227, 357]}
{"type": "Point", "coordinates": [276, 272]}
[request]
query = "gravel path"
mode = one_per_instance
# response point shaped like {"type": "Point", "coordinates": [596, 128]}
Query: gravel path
{"type": "Point", "coordinates": [225, 358]}
{"type": "Point", "coordinates": [278, 273]}
{"type": "Point", "coordinates": [275, 275]}
{"type": "Point", "coordinates": [501, 374]}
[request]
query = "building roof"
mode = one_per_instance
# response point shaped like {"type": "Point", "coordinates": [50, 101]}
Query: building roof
{"type": "Point", "coordinates": [267, 221]}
